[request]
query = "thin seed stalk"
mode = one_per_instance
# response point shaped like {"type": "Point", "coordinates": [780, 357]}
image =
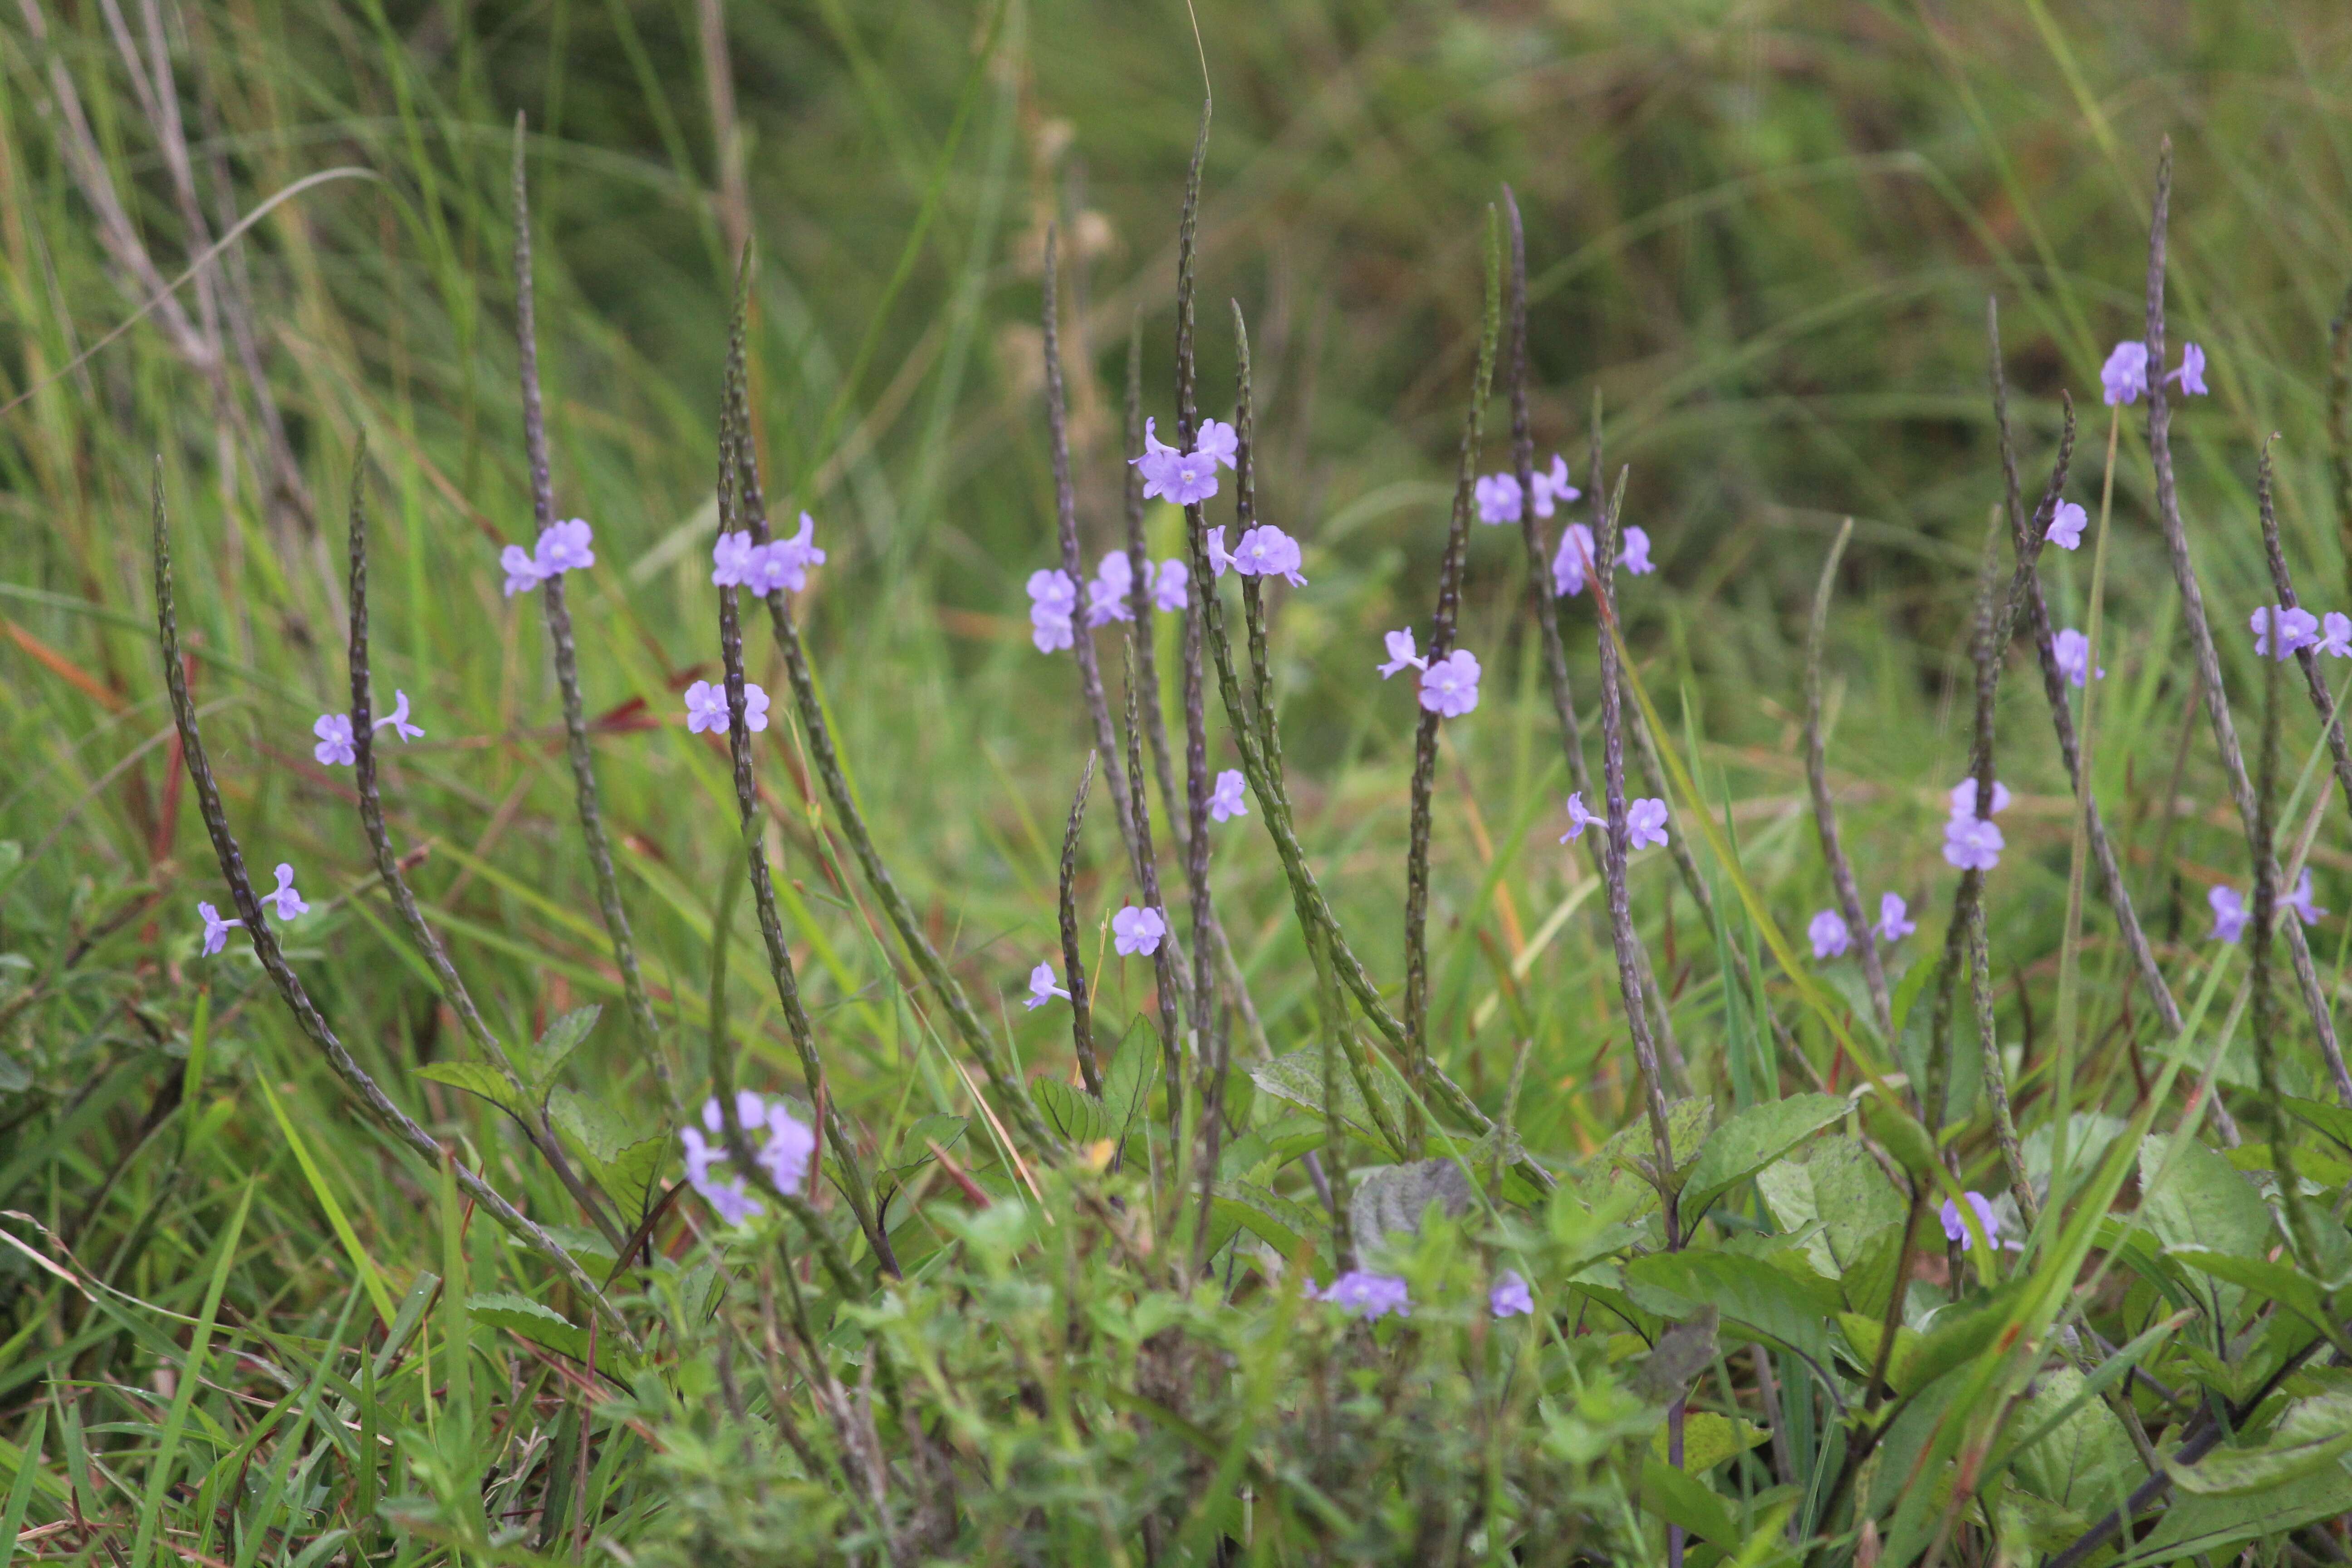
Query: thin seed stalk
{"type": "Point", "coordinates": [1996, 1073]}
{"type": "Point", "coordinates": [1074, 968]}
{"type": "Point", "coordinates": [1817, 776]}
{"type": "Point", "coordinates": [1199, 996]}
{"type": "Point", "coordinates": [2322, 700]}
{"type": "Point", "coordinates": [1163, 967]}
{"type": "Point", "coordinates": [1138, 591]}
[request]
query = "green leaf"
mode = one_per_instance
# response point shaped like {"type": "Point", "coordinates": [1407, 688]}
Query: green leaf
{"type": "Point", "coordinates": [1299, 1078]}
{"type": "Point", "coordinates": [1708, 1439]}
{"type": "Point", "coordinates": [562, 1037]}
{"type": "Point", "coordinates": [479, 1078]}
{"type": "Point", "coordinates": [1390, 1200]}
{"type": "Point", "coordinates": [600, 1131]}
{"type": "Point", "coordinates": [2200, 1199]}
{"type": "Point", "coordinates": [1072, 1113]}
{"type": "Point", "coordinates": [543, 1326]}
{"type": "Point", "coordinates": [915, 1142]}
{"type": "Point", "coordinates": [1901, 1135]}
{"type": "Point", "coordinates": [1615, 1170]}
{"type": "Point", "coordinates": [2333, 1121]}
{"type": "Point", "coordinates": [1134, 1068]}
{"type": "Point", "coordinates": [1960, 1335]}
{"type": "Point", "coordinates": [2194, 1525]}
{"type": "Point", "coordinates": [1256, 1154]}
{"type": "Point", "coordinates": [1680, 1498]}
{"type": "Point", "coordinates": [2086, 1462]}
{"type": "Point", "coordinates": [1289, 1229]}
{"type": "Point", "coordinates": [1838, 1188]}
{"type": "Point", "coordinates": [1749, 1292]}
{"type": "Point", "coordinates": [634, 1175]}
{"type": "Point", "coordinates": [2314, 1434]}
{"type": "Point", "coordinates": [1682, 1353]}
{"type": "Point", "coordinates": [1751, 1140]}
{"type": "Point", "coordinates": [2280, 1282]}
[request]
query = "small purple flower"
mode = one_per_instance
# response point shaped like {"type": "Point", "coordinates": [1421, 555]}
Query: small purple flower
{"type": "Point", "coordinates": [1136, 929]}
{"type": "Point", "coordinates": [288, 901]}
{"type": "Point", "coordinates": [1575, 553]}
{"type": "Point", "coordinates": [1042, 988]}
{"type": "Point", "coordinates": [1636, 559]}
{"type": "Point", "coordinates": [1107, 594]}
{"type": "Point", "coordinates": [1956, 1229]}
{"type": "Point", "coordinates": [1499, 498]}
{"type": "Point", "coordinates": [1449, 687]}
{"type": "Point", "coordinates": [1217, 441]}
{"type": "Point", "coordinates": [1892, 926]}
{"type": "Point", "coordinates": [1189, 480]}
{"type": "Point", "coordinates": [732, 558]}
{"type": "Point", "coordinates": [1171, 582]}
{"type": "Point", "coordinates": [2192, 373]}
{"type": "Point", "coordinates": [1971, 844]}
{"type": "Point", "coordinates": [1401, 653]}
{"type": "Point", "coordinates": [706, 707]}
{"type": "Point", "coordinates": [1964, 798]}
{"type": "Point", "coordinates": [216, 929]}
{"type": "Point", "coordinates": [2229, 912]}
{"type": "Point", "coordinates": [2124, 375]}
{"type": "Point", "coordinates": [1645, 823]}
{"type": "Point", "coordinates": [1829, 934]}
{"type": "Point", "coordinates": [784, 563]}
{"type": "Point", "coordinates": [2073, 653]}
{"type": "Point", "coordinates": [791, 1144]}
{"type": "Point", "coordinates": [2335, 639]}
{"type": "Point", "coordinates": [1579, 818]}
{"type": "Point", "coordinates": [522, 573]}
{"type": "Point", "coordinates": [565, 547]}
{"type": "Point", "coordinates": [1552, 487]}
{"type": "Point", "coordinates": [1364, 1294]}
{"type": "Point", "coordinates": [2066, 525]}
{"type": "Point", "coordinates": [398, 719]}
{"type": "Point", "coordinates": [1154, 463]}
{"type": "Point", "coordinates": [2306, 909]}
{"type": "Point", "coordinates": [1225, 801]}
{"type": "Point", "coordinates": [1053, 598]}
{"type": "Point", "coordinates": [2296, 629]}
{"type": "Point", "coordinates": [1267, 552]}
{"type": "Point", "coordinates": [1220, 559]}
{"type": "Point", "coordinates": [334, 747]}
{"type": "Point", "coordinates": [1511, 1298]}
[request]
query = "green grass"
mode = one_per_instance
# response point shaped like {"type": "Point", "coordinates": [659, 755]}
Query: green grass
{"type": "Point", "coordinates": [1763, 236]}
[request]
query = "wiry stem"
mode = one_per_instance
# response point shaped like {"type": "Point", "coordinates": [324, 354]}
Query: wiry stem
{"type": "Point", "coordinates": [1138, 591]}
{"type": "Point", "coordinates": [1996, 1073]}
{"type": "Point", "coordinates": [2201, 633]}
{"type": "Point", "coordinates": [1817, 775]}
{"type": "Point", "coordinates": [532, 1117]}
{"type": "Point", "coordinates": [2322, 700]}
{"type": "Point", "coordinates": [1984, 653]}
{"type": "Point", "coordinates": [2339, 421]}
{"type": "Point", "coordinates": [559, 631]}
{"type": "Point", "coordinates": [1074, 968]}
{"type": "Point", "coordinates": [734, 436]}
{"type": "Point", "coordinates": [273, 957]}
{"type": "Point", "coordinates": [1199, 997]}
{"type": "Point", "coordinates": [1163, 966]}
{"type": "Point", "coordinates": [2266, 911]}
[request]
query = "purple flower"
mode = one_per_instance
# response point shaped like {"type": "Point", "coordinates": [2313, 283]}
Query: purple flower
{"type": "Point", "coordinates": [1267, 552]}
{"type": "Point", "coordinates": [2073, 653]}
{"type": "Point", "coordinates": [2124, 375]}
{"type": "Point", "coordinates": [2229, 912]}
{"type": "Point", "coordinates": [1364, 1294]}
{"type": "Point", "coordinates": [1171, 583]}
{"type": "Point", "coordinates": [564, 547]}
{"type": "Point", "coordinates": [1156, 456]}
{"type": "Point", "coordinates": [2296, 629]}
{"type": "Point", "coordinates": [1511, 1298]}
{"type": "Point", "coordinates": [398, 719]}
{"type": "Point", "coordinates": [1225, 801]}
{"type": "Point", "coordinates": [1219, 558]}
{"type": "Point", "coordinates": [1107, 594]}
{"type": "Point", "coordinates": [216, 929]}
{"type": "Point", "coordinates": [1042, 988]}
{"type": "Point", "coordinates": [2337, 640]}
{"type": "Point", "coordinates": [1136, 929]}
{"type": "Point", "coordinates": [790, 1145]}
{"type": "Point", "coordinates": [1576, 548]}
{"type": "Point", "coordinates": [290, 902]}
{"type": "Point", "coordinates": [783, 563]}
{"type": "Point", "coordinates": [2192, 373]}
{"type": "Point", "coordinates": [334, 747]}
{"type": "Point", "coordinates": [2066, 525]}
{"type": "Point", "coordinates": [2306, 908]}
{"type": "Point", "coordinates": [1401, 653]}
{"type": "Point", "coordinates": [1645, 823]}
{"type": "Point", "coordinates": [1957, 1229]}
{"type": "Point", "coordinates": [1964, 798]}
{"type": "Point", "coordinates": [1053, 598]}
{"type": "Point", "coordinates": [1828, 930]}
{"type": "Point", "coordinates": [1972, 844]}
{"type": "Point", "coordinates": [1552, 487]}
{"type": "Point", "coordinates": [1189, 480]}
{"type": "Point", "coordinates": [1892, 926]}
{"type": "Point", "coordinates": [731, 559]}
{"type": "Point", "coordinates": [1449, 687]}
{"type": "Point", "coordinates": [1218, 441]}
{"type": "Point", "coordinates": [522, 573]}
{"type": "Point", "coordinates": [1578, 820]}
{"type": "Point", "coordinates": [1636, 559]}
{"type": "Point", "coordinates": [706, 707]}
{"type": "Point", "coordinates": [1499, 498]}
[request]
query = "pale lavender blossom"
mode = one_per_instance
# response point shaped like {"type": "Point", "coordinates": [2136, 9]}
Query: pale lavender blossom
{"type": "Point", "coordinates": [1449, 687]}
{"type": "Point", "coordinates": [288, 901]}
{"type": "Point", "coordinates": [1401, 653]}
{"type": "Point", "coordinates": [2306, 907]}
{"type": "Point", "coordinates": [1189, 480]}
{"type": "Point", "coordinates": [1042, 988]}
{"type": "Point", "coordinates": [1972, 844]}
{"type": "Point", "coordinates": [1171, 581]}
{"type": "Point", "coordinates": [1154, 463]}
{"type": "Point", "coordinates": [334, 747]}
{"type": "Point", "coordinates": [1499, 498]}
{"type": "Point", "coordinates": [1135, 929]}
{"type": "Point", "coordinates": [731, 559]}
{"type": "Point", "coordinates": [1220, 559]}
{"type": "Point", "coordinates": [1891, 925]}
{"type": "Point", "coordinates": [1579, 818]}
{"type": "Point", "coordinates": [1225, 801]}
{"type": "Point", "coordinates": [1645, 823]}
{"type": "Point", "coordinates": [1053, 599]}
{"type": "Point", "coordinates": [2192, 372]}
{"type": "Point", "coordinates": [1509, 1296]}
{"type": "Point", "coordinates": [216, 929]}
{"type": "Point", "coordinates": [522, 573]}
{"type": "Point", "coordinates": [398, 719]}
{"type": "Point", "coordinates": [1267, 552]}
{"type": "Point", "coordinates": [784, 563]}
{"type": "Point", "coordinates": [2229, 912]}
{"type": "Point", "coordinates": [790, 1145]}
{"type": "Point", "coordinates": [2066, 525]}
{"type": "Point", "coordinates": [1956, 1227]}
{"type": "Point", "coordinates": [1636, 559]}
{"type": "Point", "coordinates": [1567, 565]}
{"type": "Point", "coordinates": [1218, 441]}
{"type": "Point", "coordinates": [1107, 594]}
{"type": "Point", "coordinates": [1964, 798]}
{"type": "Point", "coordinates": [2072, 650]}
{"type": "Point", "coordinates": [2296, 629]}
{"type": "Point", "coordinates": [564, 547]}
{"type": "Point", "coordinates": [1364, 1294]}
{"type": "Point", "coordinates": [706, 707]}
{"type": "Point", "coordinates": [2335, 638]}
{"type": "Point", "coordinates": [1829, 934]}
{"type": "Point", "coordinates": [2124, 375]}
{"type": "Point", "coordinates": [1551, 485]}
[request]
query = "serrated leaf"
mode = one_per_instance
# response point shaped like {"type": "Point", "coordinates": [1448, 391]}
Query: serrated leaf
{"type": "Point", "coordinates": [1134, 1067]}
{"type": "Point", "coordinates": [2087, 1460]}
{"type": "Point", "coordinates": [2198, 1198]}
{"type": "Point", "coordinates": [1072, 1111]}
{"type": "Point", "coordinates": [2316, 1433]}
{"type": "Point", "coordinates": [1259, 1152]}
{"type": "Point", "coordinates": [1682, 1353]}
{"type": "Point", "coordinates": [634, 1175]}
{"type": "Point", "coordinates": [1837, 1187]}
{"type": "Point", "coordinates": [541, 1324]}
{"type": "Point", "coordinates": [915, 1142]}
{"type": "Point", "coordinates": [1751, 1140]}
{"type": "Point", "coordinates": [1900, 1134]}
{"type": "Point", "coordinates": [1390, 1200]}
{"type": "Point", "coordinates": [2333, 1121]}
{"type": "Point", "coordinates": [1748, 1291]}
{"type": "Point", "coordinates": [1289, 1229]}
{"type": "Point", "coordinates": [1708, 1439]}
{"type": "Point", "coordinates": [1615, 1170]}
{"type": "Point", "coordinates": [1680, 1498]}
{"type": "Point", "coordinates": [2280, 1282]}
{"type": "Point", "coordinates": [477, 1079]}
{"type": "Point", "coordinates": [2195, 1525]}
{"type": "Point", "coordinates": [1299, 1078]}
{"type": "Point", "coordinates": [562, 1038]}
